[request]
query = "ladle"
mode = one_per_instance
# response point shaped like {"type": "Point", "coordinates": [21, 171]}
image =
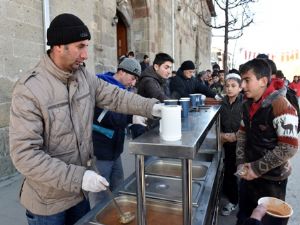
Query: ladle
{"type": "Point", "coordinates": [125, 217]}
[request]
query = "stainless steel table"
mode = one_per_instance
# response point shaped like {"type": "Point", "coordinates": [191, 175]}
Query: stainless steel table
{"type": "Point", "coordinates": [194, 131]}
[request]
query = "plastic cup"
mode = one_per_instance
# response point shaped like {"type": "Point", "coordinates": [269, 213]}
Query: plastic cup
{"type": "Point", "coordinates": [278, 211]}
{"type": "Point", "coordinates": [193, 98]}
{"type": "Point", "coordinates": [198, 100]}
{"type": "Point", "coordinates": [203, 97]}
{"type": "Point", "coordinates": [185, 105]}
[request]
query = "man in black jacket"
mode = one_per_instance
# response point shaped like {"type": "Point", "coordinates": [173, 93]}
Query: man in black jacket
{"type": "Point", "coordinates": [184, 83]}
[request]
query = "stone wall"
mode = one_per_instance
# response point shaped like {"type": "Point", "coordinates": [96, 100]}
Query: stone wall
{"type": "Point", "coordinates": [149, 32]}
{"type": "Point", "coordinates": [21, 45]}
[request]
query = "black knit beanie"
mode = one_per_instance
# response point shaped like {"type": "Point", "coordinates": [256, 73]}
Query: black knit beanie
{"type": "Point", "coordinates": [67, 28]}
{"type": "Point", "coordinates": [187, 65]}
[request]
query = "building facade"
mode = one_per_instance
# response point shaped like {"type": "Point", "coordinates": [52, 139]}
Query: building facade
{"type": "Point", "coordinates": [117, 26]}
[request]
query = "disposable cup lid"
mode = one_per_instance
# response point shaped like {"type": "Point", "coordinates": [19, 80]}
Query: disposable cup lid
{"type": "Point", "coordinates": [170, 100]}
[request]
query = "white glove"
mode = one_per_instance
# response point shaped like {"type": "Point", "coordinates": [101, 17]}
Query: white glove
{"type": "Point", "coordinates": [93, 182]}
{"type": "Point", "coordinates": [156, 110]}
{"type": "Point", "coordinates": [139, 120]}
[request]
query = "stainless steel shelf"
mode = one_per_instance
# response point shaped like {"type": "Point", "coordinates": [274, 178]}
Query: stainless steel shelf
{"type": "Point", "coordinates": [194, 131]}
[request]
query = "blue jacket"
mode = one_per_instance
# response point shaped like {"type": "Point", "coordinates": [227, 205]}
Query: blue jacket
{"type": "Point", "coordinates": [109, 134]}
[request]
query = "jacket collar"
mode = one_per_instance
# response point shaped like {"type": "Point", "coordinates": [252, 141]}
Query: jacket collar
{"type": "Point", "coordinates": [180, 74]}
{"type": "Point", "coordinates": [55, 71]}
{"type": "Point", "coordinates": [150, 72]}
{"type": "Point", "coordinates": [238, 99]}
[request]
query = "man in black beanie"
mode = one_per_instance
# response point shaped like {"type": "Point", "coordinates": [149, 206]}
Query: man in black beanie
{"type": "Point", "coordinates": [184, 83]}
{"type": "Point", "coordinates": [70, 36]}
{"type": "Point", "coordinates": [51, 126]}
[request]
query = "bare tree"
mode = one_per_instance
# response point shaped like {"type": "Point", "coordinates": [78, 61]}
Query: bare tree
{"type": "Point", "coordinates": [234, 17]}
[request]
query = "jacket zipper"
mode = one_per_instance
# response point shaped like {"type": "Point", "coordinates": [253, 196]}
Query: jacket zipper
{"type": "Point", "coordinates": [71, 113]}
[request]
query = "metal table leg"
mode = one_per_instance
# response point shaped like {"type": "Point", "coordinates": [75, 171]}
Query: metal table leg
{"type": "Point", "coordinates": [187, 191]}
{"type": "Point", "coordinates": [140, 185]}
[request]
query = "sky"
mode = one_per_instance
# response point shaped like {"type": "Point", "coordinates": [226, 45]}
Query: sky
{"type": "Point", "coordinates": [275, 31]}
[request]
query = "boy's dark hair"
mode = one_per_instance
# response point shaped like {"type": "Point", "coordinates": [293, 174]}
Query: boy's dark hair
{"type": "Point", "coordinates": [216, 67]}
{"type": "Point", "coordinates": [272, 66]}
{"type": "Point", "coordinates": [260, 68]}
{"type": "Point", "coordinates": [161, 58]}
{"type": "Point", "coordinates": [279, 74]}
{"type": "Point", "coordinates": [146, 56]}
{"type": "Point", "coordinates": [215, 73]}
{"type": "Point", "coordinates": [234, 71]}
{"type": "Point", "coordinates": [262, 56]}
{"type": "Point", "coordinates": [131, 53]}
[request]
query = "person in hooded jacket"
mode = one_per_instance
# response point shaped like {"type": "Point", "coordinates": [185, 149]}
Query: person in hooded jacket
{"type": "Point", "coordinates": [109, 130]}
{"type": "Point", "coordinates": [184, 83]}
{"type": "Point", "coordinates": [153, 81]}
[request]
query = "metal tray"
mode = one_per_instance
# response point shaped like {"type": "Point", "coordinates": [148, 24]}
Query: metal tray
{"type": "Point", "coordinates": [173, 168]}
{"type": "Point", "coordinates": [204, 157]}
{"type": "Point", "coordinates": [164, 188]}
{"type": "Point", "coordinates": [157, 212]}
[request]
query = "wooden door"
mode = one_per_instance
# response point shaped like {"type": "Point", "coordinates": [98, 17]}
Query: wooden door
{"type": "Point", "coordinates": [121, 38]}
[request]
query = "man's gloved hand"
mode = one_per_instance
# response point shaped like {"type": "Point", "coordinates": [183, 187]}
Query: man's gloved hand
{"type": "Point", "coordinates": [93, 182]}
{"type": "Point", "coordinates": [156, 110]}
{"type": "Point", "coordinates": [139, 120]}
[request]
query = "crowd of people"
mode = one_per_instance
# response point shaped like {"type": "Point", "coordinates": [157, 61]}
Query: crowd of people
{"type": "Point", "coordinates": [62, 116]}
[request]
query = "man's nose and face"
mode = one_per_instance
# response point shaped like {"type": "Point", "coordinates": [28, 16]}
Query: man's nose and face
{"type": "Point", "coordinates": [73, 55]}
{"type": "Point", "coordinates": [128, 80]}
{"type": "Point", "coordinates": [164, 70]}
{"type": "Point", "coordinates": [188, 73]}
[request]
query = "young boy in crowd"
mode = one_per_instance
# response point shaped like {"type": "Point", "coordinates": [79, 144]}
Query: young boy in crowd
{"type": "Point", "coordinates": [231, 113]}
{"type": "Point", "coordinates": [266, 140]}
{"type": "Point", "coordinates": [216, 86]}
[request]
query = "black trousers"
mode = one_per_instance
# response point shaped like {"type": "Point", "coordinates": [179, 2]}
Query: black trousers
{"type": "Point", "coordinates": [230, 181]}
{"type": "Point", "coordinates": [251, 191]}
